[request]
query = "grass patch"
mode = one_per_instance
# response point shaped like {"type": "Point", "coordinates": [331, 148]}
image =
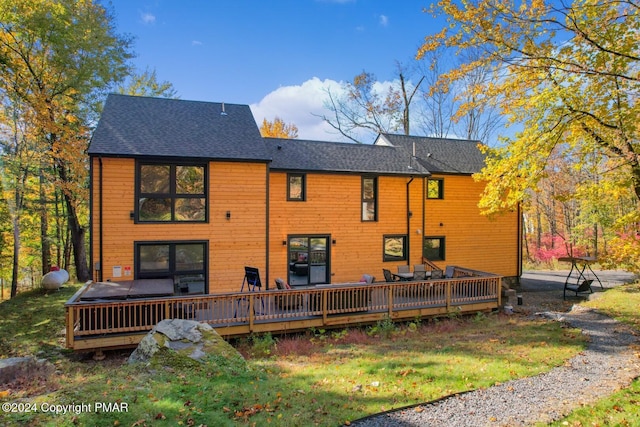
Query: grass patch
{"type": "Point", "coordinates": [33, 323]}
{"type": "Point", "coordinates": [621, 303]}
{"type": "Point", "coordinates": [320, 378]}
{"type": "Point", "coordinates": [619, 409]}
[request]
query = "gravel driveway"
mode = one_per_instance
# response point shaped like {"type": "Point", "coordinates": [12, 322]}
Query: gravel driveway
{"type": "Point", "coordinates": [609, 363]}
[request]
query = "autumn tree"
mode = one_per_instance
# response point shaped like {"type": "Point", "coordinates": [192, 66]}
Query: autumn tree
{"type": "Point", "coordinates": [365, 105]}
{"type": "Point", "coordinates": [438, 99]}
{"type": "Point", "coordinates": [56, 57]}
{"type": "Point", "coordinates": [145, 83]}
{"type": "Point", "coordinates": [18, 163]}
{"type": "Point", "coordinates": [278, 129]}
{"type": "Point", "coordinates": [567, 75]}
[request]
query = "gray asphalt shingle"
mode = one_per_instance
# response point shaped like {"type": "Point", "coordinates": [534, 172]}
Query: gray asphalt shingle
{"type": "Point", "coordinates": [317, 156]}
{"type": "Point", "coordinates": [161, 127]}
{"type": "Point", "coordinates": [133, 126]}
{"type": "Point", "coordinates": [441, 155]}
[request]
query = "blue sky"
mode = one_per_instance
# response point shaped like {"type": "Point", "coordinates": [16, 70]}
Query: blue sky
{"type": "Point", "coordinates": [276, 56]}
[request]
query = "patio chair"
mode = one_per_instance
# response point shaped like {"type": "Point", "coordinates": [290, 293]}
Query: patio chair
{"type": "Point", "coordinates": [368, 279]}
{"type": "Point", "coordinates": [251, 279]}
{"type": "Point", "coordinates": [388, 276]}
{"type": "Point", "coordinates": [436, 274]}
{"type": "Point", "coordinates": [419, 275]}
{"type": "Point", "coordinates": [449, 271]}
{"type": "Point", "coordinates": [404, 269]}
{"type": "Point", "coordinates": [419, 267]}
{"type": "Point", "coordinates": [286, 302]}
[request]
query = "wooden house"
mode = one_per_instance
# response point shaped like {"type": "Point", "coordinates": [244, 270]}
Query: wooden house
{"type": "Point", "coordinates": [191, 191]}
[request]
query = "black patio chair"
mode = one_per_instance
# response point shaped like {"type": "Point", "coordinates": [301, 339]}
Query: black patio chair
{"type": "Point", "coordinates": [388, 276]}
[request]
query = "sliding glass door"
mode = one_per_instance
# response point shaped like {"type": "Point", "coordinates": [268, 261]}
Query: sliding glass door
{"type": "Point", "coordinates": [308, 260]}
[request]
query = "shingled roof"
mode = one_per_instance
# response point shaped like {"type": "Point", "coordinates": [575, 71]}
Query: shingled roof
{"type": "Point", "coordinates": [439, 155]}
{"type": "Point", "coordinates": [317, 156]}
{"type": "Point", "coordinates": [133, 126]}
{"type": "Point", "coordinates": [160, 127]}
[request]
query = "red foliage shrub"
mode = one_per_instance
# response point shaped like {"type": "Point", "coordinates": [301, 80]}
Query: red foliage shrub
{"type": "Point", "coordinates": [300, 345]}
{"type": "Point", "coordinates": [553, 247]}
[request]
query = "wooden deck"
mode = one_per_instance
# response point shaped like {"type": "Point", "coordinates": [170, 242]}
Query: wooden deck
{"type": "Point", "coordinates": [99, 324]}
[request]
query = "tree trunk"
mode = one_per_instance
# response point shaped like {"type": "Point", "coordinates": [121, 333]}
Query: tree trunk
{"type": "Point", "coordinates": [79, 248]}
{"type": "Point", "coordinates": [16, 256]}
{"type": "Point", "coordinates": [77, 231]}
{"type": "Point", "coordinates": [44, 228]}
{"type": "Point", "coordinates": [635, 174]}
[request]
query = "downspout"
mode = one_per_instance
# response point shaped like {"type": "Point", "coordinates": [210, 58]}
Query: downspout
{"type": "Point", "coordinates": [100, 202]}
{"type": "Point", "coordinates": [268, 207]}
{"type": "Point", "coordinates": [409, 223]}
{"type": "Point", "coordinates": [423, 219]}
{"type": "Point", "coordinates": [520, 241]}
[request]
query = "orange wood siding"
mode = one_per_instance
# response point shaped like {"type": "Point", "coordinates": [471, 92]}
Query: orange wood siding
{"type": "Point", "coordinates": [471, 239]}
{"type": "Point", "coordinates": [333, 207]}
{"type": "Point", "coordinates": [239, 188]}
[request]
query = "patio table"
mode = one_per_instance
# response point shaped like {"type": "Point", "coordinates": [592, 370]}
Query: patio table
{"type": "Point", "coordinates": [403, 276]}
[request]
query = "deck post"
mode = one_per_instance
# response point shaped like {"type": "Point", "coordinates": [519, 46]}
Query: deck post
{"type": "Point", "coordinates": [251, 313]}
{"type": "Point", "coordinates": [324, 307]}
{"type": "Point", "coordinates": [167, 310]}
{"type": "Point", "coordinates": [70, 325]}
{"type": "Point", "coordinates": [448, 296]}
{"type": "Point", "coordinates": [390, 300]}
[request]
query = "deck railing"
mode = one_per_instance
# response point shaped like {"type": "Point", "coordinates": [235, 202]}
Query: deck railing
{"type": "Point", "coordinates": [105, 324]}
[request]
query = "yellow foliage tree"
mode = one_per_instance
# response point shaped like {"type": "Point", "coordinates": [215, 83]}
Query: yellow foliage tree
{"type": "Point", "coordinates": [56, 57]}
{"type": "Point", "coordinates": [568, 74]}
{"type": "Point", "coordinates": [278, 129]}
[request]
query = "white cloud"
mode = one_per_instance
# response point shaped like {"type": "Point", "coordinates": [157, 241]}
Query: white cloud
{"type": "Point", "coordinates": [300, 105]}
{"type": "Point", "coordinates": [148, 18]}
{"type": "Point", "coordinates": [196, 43]}
{"type": "Point", "coordinates": [384, 20]}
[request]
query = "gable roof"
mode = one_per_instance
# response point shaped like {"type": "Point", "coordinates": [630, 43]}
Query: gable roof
{"type": "Point", "coordinates": [320, 156]}
{"type": "Point", "coordinates": [134, 126]}
{"type": "Point", "coordinates": [161, 127]}
{"type": "Point", "coordinates": [439, 155]}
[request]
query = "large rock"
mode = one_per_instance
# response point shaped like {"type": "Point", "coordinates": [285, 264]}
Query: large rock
{"type": "Point", "coordinates": [16, 368]}
{"type": "Point", "coordinates": [175, 339]}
